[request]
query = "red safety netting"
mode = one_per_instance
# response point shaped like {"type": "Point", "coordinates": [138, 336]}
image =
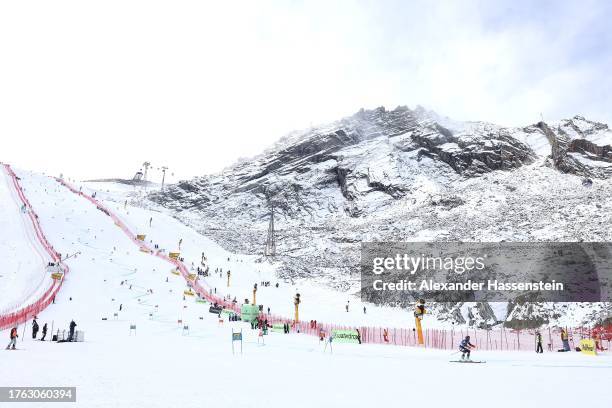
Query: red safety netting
{"type": "Point", "coordinates": [21, 315]}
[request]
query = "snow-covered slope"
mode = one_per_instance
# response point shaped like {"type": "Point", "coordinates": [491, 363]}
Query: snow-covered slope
{"type": "Point", "coordinates": [159, 364]}
{"type": "Point", "coordinates": [318, 302]}
{"type": "Point", "coordinates": [23, 276]}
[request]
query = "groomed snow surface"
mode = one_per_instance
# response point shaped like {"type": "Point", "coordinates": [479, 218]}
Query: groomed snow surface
{"type": "Point", "coordinates": [161, 365]}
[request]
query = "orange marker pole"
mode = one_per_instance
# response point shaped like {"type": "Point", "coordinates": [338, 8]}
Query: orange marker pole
{"type": "Point", "coordinates": [419, 331]}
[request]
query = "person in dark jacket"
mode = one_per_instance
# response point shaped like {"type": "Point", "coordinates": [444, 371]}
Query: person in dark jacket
{"type": "Point", "coordinates": [35, 328]}
{"type": "Point", "coordinates": [539, 348]}
{"type": "Point", "coordinates": [44, 332]}
{"type": "Point", "coordinates": [465, 347]}
{"type": "Point", "coordinates": [13, 335]}
{"type": "Point", "coordinates": [72, 326]}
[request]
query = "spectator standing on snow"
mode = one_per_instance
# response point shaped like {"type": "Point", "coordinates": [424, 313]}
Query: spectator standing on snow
{"type": "Point", "coordinates": [150, 221]}
{"type": "Point", "coordinates": [72, 326]}
{"type": "Point", "coordinates": [565, 340]}
{"type": "Point", "coordinates": [364, 310]}
{"type": "Point", "coordinates": [13, 335]}
{"type": "Point", "coordinates": [539, 348]}
{"type": "Point", "coordinates": [44, 332]}
{"type": "Point", "coordinates": [34, 328]}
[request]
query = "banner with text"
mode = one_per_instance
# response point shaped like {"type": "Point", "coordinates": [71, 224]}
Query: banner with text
{"type": "Point", "coordinates": [401, 272]}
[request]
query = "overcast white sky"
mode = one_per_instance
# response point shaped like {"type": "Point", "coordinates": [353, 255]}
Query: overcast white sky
{"type": "Point", "coordinates": [93, 89]}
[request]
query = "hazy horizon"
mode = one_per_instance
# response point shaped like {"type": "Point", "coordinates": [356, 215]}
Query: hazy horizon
{"type": "Point", "coordinates": [92, 90]}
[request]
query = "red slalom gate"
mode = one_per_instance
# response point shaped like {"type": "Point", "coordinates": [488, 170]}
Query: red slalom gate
{"type": "Point", "coordinates": [497, 339]}
{"type": "Point", "coordinates": [22, 315]}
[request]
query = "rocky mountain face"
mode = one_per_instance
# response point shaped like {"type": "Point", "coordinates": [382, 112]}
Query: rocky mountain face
{"type": "Point", "coordinates": [574, 147]}
{"type": "Point", "coordinates": [406, 175]}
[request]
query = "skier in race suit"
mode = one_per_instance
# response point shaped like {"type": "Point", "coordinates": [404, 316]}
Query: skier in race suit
{"type": "Point", "coordinates": [465, 347]}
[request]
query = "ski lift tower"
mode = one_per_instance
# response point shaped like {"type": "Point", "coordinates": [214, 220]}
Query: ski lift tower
{"type": "Point", "coordinates": [163, 169]}
{"type": "Point", "coordinates": [270, 241]}
{"type": "Point", "coordinates": [146, 166]}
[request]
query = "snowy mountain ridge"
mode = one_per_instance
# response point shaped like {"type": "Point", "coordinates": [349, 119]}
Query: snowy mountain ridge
{"type": "Point", "coordinates": [404, 175]}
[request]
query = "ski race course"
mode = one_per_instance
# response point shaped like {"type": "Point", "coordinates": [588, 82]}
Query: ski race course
{"type": "Point", "coordinates": [146, 341]}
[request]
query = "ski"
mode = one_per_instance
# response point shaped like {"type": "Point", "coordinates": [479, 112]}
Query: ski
{"type": "Point", "coordinates": [467, 361]}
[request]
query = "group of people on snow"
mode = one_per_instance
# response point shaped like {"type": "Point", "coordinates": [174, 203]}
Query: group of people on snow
{"type": "Point", "coordinates": [35, 329]}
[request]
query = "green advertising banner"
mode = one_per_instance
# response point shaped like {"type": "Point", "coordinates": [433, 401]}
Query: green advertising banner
{"type": "Point", "coordinates": [278, 328]}
{"type": "Point", "coordinates": [227, 312]}
{"type": "Point", "coordinates": [345, 336]}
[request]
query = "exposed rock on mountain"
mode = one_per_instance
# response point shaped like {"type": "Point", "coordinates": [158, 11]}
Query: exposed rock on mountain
{"type": "Point", "coordinates": [573, 152]}
{"type": "Point", "coordinates": [404, 175]}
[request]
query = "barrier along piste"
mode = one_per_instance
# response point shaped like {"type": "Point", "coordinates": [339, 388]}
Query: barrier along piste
{"type": "Point", "coordinates": [498, 339]}
{"type": "Point", "coordinates": [14, 318]}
